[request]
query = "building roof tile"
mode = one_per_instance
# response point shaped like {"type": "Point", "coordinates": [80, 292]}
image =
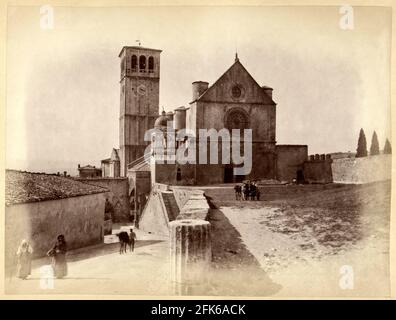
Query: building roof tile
{"type": "Point", "coordinates": [23, 187]}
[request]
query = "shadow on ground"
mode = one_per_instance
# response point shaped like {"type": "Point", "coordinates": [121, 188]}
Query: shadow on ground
{"type": "Point", "coordinates": [235, 271]}
{"type": "Point", "coordinates": [92, 252]}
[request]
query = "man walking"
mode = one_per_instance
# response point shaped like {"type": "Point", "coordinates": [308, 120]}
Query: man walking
{"type": "Point", "coordinates": [132, 238]}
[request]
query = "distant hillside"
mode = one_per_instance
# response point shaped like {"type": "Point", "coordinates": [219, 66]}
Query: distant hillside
{"type": "Point", "coordinates": [341, 155]}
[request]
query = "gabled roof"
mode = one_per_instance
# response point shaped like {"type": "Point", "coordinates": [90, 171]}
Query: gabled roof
{"type": "Point", "coordinates": [235, 69]}
{"type": "Point", "coordinates": [23, 187]}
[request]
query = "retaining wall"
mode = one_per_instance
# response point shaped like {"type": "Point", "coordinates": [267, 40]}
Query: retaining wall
{"type": "Point", "coordinates": [362, 170]}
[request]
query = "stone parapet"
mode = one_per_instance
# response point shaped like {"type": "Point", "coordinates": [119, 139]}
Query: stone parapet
{"type": "Point", "coordinates": [190, 256]}
{"type": "Point", "coordinates": [196, 207]}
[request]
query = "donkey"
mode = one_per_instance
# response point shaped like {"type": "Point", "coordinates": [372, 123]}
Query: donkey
{"type": "Point", "coordinates": [124, 241]}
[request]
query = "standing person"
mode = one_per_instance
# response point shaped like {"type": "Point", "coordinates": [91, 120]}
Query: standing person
{"type": "Point", "coordinates": [253, 190]}
{"type": "Point", "coordinates": [132, 238]}
{"type": "Point", "coordinates": [24, 256]}
{"type": "Point", "coordinates": [58, 256]}
{"type": "Point", "coordinates": [257, 192]}
{"type": "Point", "coordinates": [109, 210]}
{"type": "Point", "coordinates": [246, 190]}
{"type": "Point", "coordinates": [237, 189]}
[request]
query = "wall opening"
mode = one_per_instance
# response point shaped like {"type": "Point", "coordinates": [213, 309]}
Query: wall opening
{"type": "Point", "coordinates": [122, 66]}
{"type": "Point", "coordinates": [142, 64]}
{"type": "Point", "coordinates": [228, 175]}
{"type": "Point", "coordinates": [300, 176]}
{"type": "Point", "coordinates": [151, 64]}
{"type": "Point", "coordinates": [134, 63]}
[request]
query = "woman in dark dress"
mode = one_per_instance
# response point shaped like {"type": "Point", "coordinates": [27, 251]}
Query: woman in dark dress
{"type": "Point", "coordinates": [58, 256]}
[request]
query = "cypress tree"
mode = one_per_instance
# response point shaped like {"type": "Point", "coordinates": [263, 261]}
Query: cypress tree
{"type": "Point", "coordinates": [361, 150]}
{"type": "Point", "coordinates": [374, 148]}
{"type": "Point", "coordinates": [388, 147]}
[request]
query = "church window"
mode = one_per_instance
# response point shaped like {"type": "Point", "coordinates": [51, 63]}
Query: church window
{"type": "Point", "coordinates": [151, 64]}
{"type": "Point", "coordinates": [237, 119]}
{"type": "Point", "coordinates": [134, 63]}
{"type": "Point", "coordinates": [142, 64]}
{"type": "Point", "coordinates": [236, 91]}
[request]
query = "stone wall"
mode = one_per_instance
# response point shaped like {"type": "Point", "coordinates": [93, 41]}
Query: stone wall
{"type": "Point", "coordinates": [192, 204]}
{"type": "Point", "coordinates": [154, 218]}
{"type": "Point", "coordinates": [362, 170]}
{"type": "Point", "coordinates": [196, 207]}
{"type": "Point", "coordinates": [139, 190]}
{"type": "Point", "coordinates": [189, 234]}
{"type": "Point", "coordinates": [167, 174]}
{"type": "Point", "coordinates": [80, 219]}
{"type": "Point", "coordinates": [318, 169]}
{"type": "Point", "coordinates": [118, 195]}
{"type": "Point", "coordinates": [290, 159]}
{"type": "Point", "coordinates": [140, 181]}
{"type": "Point", "coordinates": [181, 195]}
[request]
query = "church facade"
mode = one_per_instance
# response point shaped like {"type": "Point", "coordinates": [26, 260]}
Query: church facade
{"type": "Point", "coordinates": [236, 101]}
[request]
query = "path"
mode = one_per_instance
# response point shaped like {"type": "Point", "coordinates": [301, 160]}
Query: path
{"type": "Point", "coordinates": [102, 270]}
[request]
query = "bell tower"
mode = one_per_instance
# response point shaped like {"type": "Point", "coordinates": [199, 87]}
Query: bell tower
{"type": "Point", "coordinates": [139, 100]}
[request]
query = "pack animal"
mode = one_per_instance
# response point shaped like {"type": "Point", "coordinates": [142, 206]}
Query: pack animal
{"type": "Point", "coordinates": [124, 241]}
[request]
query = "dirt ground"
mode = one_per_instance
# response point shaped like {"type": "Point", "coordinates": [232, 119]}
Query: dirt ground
{"type": "Point", "coordinates": [101, 270]}
{"type": "Point", "coordinates": [296, 239]}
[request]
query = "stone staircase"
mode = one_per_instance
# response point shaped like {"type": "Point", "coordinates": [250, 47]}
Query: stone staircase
{"type": "Point", "coordinates": [172, 209]}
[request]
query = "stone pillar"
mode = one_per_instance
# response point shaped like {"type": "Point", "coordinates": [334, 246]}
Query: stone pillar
{"type": "Point", "coordinates": [190, 256]}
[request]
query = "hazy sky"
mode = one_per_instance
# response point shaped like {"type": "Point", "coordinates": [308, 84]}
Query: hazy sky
{"type": "Point", "coordinates": [63, 84]}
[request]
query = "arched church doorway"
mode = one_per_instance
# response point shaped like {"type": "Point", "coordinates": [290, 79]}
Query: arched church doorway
{"type": "Point", "coordinates": [228, 175]}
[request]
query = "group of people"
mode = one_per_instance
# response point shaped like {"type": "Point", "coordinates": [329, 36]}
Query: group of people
{"type": "Point", "coordinates": [248, 190]}
{"type": "Point", "coordinates": [57, 254]}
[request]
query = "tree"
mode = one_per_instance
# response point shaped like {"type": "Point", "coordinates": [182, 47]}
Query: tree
{"type": "Point", "coordinates": [374, 148]}
{"type": "Point", "coordinates": [361, 150]}
{"type": "Point", "coordinates": [388, 147]}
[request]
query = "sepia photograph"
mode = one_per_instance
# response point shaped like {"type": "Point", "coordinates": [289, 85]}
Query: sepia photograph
{"type": "Point", "coordinates": [198, 151]}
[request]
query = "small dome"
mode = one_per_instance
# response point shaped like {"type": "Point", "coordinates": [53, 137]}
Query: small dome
{"type": "Point", "coordinates": [162, 120]}
{"type": "Point", "coordinates": [182, 108]}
